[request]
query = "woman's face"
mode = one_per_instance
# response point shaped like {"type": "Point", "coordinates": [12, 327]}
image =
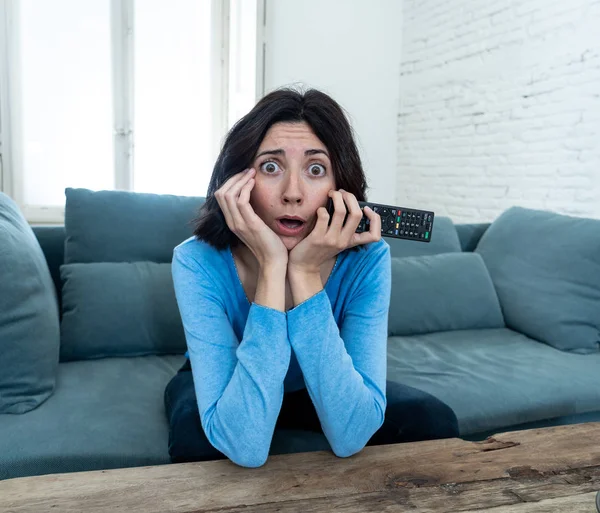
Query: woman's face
{"type": "Point", "coordinates": [293, 178]}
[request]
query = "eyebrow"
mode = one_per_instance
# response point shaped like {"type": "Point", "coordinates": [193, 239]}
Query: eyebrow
{"type": "Point", "coordinates": [280, 151]}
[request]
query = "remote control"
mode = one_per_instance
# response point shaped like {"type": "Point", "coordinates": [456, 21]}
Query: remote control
{"type": "Point", "coordinates": [397, 222]}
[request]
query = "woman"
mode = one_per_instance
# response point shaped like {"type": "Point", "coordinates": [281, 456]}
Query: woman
{"type": "Point", "coordinates": [284, 309]}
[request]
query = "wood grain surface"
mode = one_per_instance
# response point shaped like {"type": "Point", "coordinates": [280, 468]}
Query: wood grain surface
{"type": "Point", "coordinates": [542, 470]}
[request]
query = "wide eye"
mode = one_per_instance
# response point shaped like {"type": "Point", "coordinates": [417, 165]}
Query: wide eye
{"type": "Point", "coordinates": [269, 167]}
{"type": "Point", "coordinates": [316, 170]}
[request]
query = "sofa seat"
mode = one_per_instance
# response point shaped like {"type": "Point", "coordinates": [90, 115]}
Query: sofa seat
{"type": "Point", "coordinates": [495, 378]}
{"type": "Point", "coordinates": [103, 414]}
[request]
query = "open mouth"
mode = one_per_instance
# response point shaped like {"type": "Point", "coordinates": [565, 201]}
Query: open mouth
{"type": "Point", "coordinates": [290, 226]}
{"type": "Point", "coordinates": [291, 223]}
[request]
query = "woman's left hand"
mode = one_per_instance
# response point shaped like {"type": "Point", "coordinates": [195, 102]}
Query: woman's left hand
{"type": "Point", "coordinates": [325, 242]}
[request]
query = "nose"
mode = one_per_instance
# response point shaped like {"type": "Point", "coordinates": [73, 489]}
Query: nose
{"type": "Point", "coordinates": [292, 191]}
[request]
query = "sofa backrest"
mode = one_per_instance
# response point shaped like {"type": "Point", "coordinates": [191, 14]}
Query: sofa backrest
{"type": "Point", "coordinates": [469, 234]}
{"type": "Point", "coordinates": [52, 241]}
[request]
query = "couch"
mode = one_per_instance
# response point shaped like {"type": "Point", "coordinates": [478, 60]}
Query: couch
{"type": "Point", "coordinates": [501, 321]}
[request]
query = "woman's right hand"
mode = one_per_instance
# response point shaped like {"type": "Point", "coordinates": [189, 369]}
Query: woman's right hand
{"type": "Point", "coordinates": [234, 199]}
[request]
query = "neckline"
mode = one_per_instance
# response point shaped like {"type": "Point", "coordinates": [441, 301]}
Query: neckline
{"type": "Point", "coordinates": [233, 267]}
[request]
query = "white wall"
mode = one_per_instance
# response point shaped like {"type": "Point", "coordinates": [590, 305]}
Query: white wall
{"type": "Point", "coordinates": [350, 50]}
{"type": "Point", "coordinates": [500, 105]}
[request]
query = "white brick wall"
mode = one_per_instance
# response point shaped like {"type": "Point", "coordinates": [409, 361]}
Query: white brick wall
{"type": "Point", "coordinates": [500, 106]}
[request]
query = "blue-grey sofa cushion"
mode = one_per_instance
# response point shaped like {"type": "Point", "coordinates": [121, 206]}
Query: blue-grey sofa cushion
{"type": "Point", "coordinates": [546, 270]}
{"type": "Point", "coordinates": [449, 291]}
{"type": "Point", "coordinates": [52, 242]}
{"type": "Point", "coordinates": [119, 309]}
{"type": "Point", "coordinates": [29, 325]}
{"type": "Point", "coordinates": [119, 226]}
{"type": "Point", "coordinates": [444, 239]}
{"type": "Point", "coordinates": [104, 414]}
{"type": "Point", "coordinates": [496, 378]}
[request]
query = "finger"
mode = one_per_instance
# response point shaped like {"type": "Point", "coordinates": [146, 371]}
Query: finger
{"type": "Point", "coordinates": [339, 212]}
{"type": "Point", "coordinates": [231, 199]}
{"type": "Point", "coordinates": [321, 226]}
{"type": "Point", "coordinates": [374, 233]}
{"type": "Point", "coordinates": [231, 181]}
{"type": "Point", "coordinates": [222, 191]}
{"type": "Point", "coordinates": [355, 214]}
{"type": "Point", "coordinates": [244, 207]}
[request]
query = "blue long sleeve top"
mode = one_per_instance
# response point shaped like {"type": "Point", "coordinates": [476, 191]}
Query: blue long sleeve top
{"type": "Point", "coordinates": [245, 356]}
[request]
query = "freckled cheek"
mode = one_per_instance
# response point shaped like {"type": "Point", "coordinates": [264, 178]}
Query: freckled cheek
{"type": "Point", "coordinates": [324, 195]}
{"type": "Point", "coordinates": [259, 202]}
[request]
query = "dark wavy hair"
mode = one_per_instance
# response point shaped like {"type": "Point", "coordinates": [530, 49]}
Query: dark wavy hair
{"type": "Point", "coordinates": [327, 120]}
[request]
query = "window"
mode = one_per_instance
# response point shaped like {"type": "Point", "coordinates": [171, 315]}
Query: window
{"type": "Point", "coordinates": [120, 94]}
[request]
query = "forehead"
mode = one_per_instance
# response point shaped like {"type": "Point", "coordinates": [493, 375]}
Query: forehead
{"type": "Point", "coordinates": [291, 135]}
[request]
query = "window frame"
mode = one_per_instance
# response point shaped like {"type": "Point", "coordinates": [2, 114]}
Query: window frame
{"type": "Point", "coordinates": [122, 55]}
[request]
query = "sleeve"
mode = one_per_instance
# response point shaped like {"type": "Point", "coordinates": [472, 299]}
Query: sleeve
{"type": "Point", "coordinates": [239, 385]}
{"type": "Point", "coordinates": [345, 368]}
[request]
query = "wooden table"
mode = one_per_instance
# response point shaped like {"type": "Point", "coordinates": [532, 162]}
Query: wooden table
{"type": "Point", "coordinates": [543, 470]}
